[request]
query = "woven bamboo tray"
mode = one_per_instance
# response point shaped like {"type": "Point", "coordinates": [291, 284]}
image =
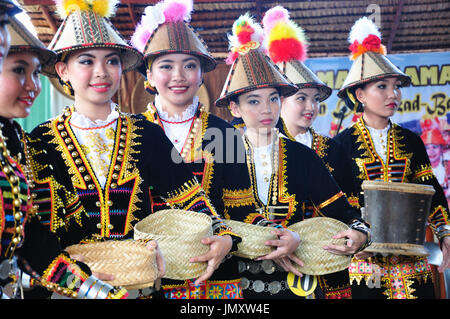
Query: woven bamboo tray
{"type": "Point", "coordinates": [253, 239]}
{"type": "Point", "coordinates": [178, 234]}
{"type": "Point", "coordinates": [132, 263]}
{"type": "Point", "coordinates": [314, 234]}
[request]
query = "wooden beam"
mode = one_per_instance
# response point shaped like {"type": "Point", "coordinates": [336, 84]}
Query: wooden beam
{"type": "Point", "coordinates": [398, 14]}
{"type": "Point", "coordinates": [130, 7]}
{"type": "Point", "coordinates": [49, 19]}
{"type": "Point", "coordinates": [141, 2]}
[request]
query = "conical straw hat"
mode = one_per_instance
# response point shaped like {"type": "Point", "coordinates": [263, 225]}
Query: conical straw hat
{"type": "Point", "coordinates": [165, 28]}
{"type": "Point", "coordinates": [251, 68]}
{"type": "Point", "coordinates": [314, 234]}
{"type": "Point", "coordinates": [23, 40]}
{"type": "Point", "coordinates": [287, 47]}
{"type": "Point", "coordinates": [369, 60]}
{"type": "Point", "coordinates": [132, 263]}
{"type": "Point", "coordinates": [179, 234]}
{"type": "Point", "coordinates": [86, 25]}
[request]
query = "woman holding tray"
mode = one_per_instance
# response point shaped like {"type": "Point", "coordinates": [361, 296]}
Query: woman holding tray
{"type": "Point", "coordinates": [116, 161]}
{"type": "Point", "coordinates": [284, 174]}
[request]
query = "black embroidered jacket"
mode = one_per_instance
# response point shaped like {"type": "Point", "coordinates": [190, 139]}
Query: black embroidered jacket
{"type": "Point", "coordinates": [407, 162]}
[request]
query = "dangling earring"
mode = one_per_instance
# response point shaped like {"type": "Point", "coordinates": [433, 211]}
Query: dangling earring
{"type": "Point", "coordinates": [67, 88]}
{"type": "Point", "coordinates": [149, 88]}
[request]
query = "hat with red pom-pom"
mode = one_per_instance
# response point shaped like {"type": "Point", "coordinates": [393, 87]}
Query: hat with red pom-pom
{"type": "Point", "coordinates": [287, 47]}
{"type": "Point", "coordinates": [369, 59]}
{"type": "Point", "coordinates": [251, 68]}
{"type": "Point", "coordinates": [164, 28]}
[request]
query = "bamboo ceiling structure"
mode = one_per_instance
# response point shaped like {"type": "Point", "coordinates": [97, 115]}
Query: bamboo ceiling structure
{"type": "Point", "coordinates": [406, 25]}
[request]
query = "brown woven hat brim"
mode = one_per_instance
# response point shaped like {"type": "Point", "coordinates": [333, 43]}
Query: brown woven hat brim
{"type": "Point", "coordinates": [178, 234]}
{"type": "Point", "coordinates": [178, 37]}
{"type": "Point", "coordinates": [368, 67]}
{"type": "Point", "coordinates": [303, 77]}
{"type": "Point", "coordinates": [132, 263]}
{"type": "Point", "coordinates": [85, 29]}
{"type": "Point", "coordinates": [23, 40]}
{"type": "Point", "coordinates": [253, 238]}
{"type": "Point", "coordinates": [284, 90]}
{"type": "Point", "coordinates": [314, 234]}
{"type": "Point", "coordinates": [208, 63]}
{"type": "Point", "coordinates": [251, 71]}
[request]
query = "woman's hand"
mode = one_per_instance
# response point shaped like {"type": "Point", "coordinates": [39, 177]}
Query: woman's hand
{"type": "Point", "coordinates": [284, 254]}
{"type": "Point", "coordinates": [355, 240]}
{"type": "Point", "coordinates": [219, 247]}
{"type": "Point", "coordinates": [160, 262]}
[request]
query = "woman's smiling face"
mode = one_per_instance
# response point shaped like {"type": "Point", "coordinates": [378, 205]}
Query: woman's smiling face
{"type": "Point", "coordinates": [177, 78]}
{"type": "Point", "coordinates": [20, 84]}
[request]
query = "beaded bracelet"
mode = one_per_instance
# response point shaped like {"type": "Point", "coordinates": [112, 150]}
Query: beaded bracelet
{"type": "Point", "coordinates": [363, 228]}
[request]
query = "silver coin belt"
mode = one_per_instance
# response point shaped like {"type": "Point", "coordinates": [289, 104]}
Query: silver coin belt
{"type": "Point", "coordinates": [258, 286]}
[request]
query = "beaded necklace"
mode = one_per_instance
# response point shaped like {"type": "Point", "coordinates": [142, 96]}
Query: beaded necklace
{"type": "Point", "coordinates": [7, 166]}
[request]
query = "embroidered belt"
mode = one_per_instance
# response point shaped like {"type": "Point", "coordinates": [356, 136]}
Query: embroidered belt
{"type": "Point", "coordinates": [220, 289]}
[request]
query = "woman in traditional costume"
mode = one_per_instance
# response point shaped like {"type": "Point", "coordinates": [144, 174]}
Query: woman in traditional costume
{"type": "Point", "coordinates": [175, 59]}
{"type": "Point", "coordinates": [384, 151]}
{"type": "Point", "coordinates": [287, 48]}
{"type": "Point", "coordinates": [284, 174]}
{"type": "Point", "coordinates": [117, 162]}
{"type": "Point", "coordinates": [31, 254]}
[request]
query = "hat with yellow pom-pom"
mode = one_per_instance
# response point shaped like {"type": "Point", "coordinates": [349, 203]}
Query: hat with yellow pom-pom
{"type": "Point", "coordinates": [250, 68]}
{"type": "Point", "coordinates": [86, 24]}
{"type": "Point", "coordinates": [287, 48]}
{"type": "Point", "coordinates": [369, 60]}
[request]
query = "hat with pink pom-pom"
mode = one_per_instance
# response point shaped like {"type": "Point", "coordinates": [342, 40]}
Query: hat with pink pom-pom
{"type": "Point", "coordinates": [164, 28]}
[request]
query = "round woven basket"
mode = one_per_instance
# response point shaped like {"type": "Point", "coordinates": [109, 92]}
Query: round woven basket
{"type": "Point", "coordinates": [253, 239]}
{"type": "Point", "coordinates": [178, 234]}
{"type": "Point", "coordinates": [314, 234]}
{"type": "Point", "coordinates": [132, 263]}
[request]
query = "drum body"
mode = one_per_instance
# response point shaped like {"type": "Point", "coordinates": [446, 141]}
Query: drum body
{"type": "Point", "coordinates": [397, 214]}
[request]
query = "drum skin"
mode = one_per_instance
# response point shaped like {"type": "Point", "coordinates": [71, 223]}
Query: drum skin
{"type": "Point", "coordinates": [397, 213]}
